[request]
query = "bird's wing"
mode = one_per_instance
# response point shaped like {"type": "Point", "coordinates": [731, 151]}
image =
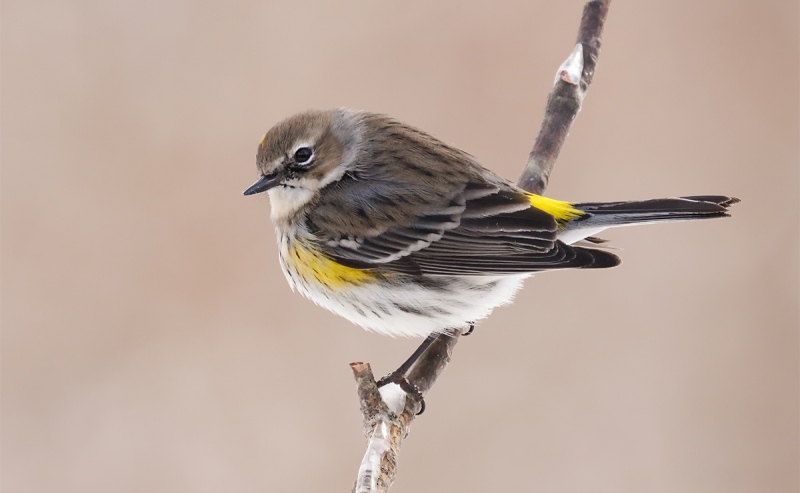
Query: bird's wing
{"type": "Point", "coordinates": [464, 227]}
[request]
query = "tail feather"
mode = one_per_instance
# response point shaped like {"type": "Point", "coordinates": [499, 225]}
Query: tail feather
{"type": "Point", "coordinates": [717, 199]}
{"type": "Point", "coordinates": [599, 216]}
{"type": "Point", "coordinates": [680, 208]}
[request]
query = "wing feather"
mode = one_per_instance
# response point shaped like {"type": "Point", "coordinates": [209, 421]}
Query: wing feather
{"type": "Point", "coordinates": [391, 215]}
{"type": "Point", "coordinates": [496, 232]}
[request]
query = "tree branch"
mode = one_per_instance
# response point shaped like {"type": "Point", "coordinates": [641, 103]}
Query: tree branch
{"type": "Point", "coordinates": [572, 81]}
{"type": "Point", "coordinates": [389, 411]}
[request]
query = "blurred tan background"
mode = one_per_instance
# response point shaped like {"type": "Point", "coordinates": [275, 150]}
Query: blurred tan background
{"type": "Point", "coordinates": [150, 342]}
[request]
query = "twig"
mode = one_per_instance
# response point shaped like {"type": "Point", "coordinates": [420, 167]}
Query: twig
{"type": "Point", "coordinates": [564, 103]}
{"type": "Point", "coordinates": [389, 412]}
{"type": "Point", "coordinates": [386, 420]}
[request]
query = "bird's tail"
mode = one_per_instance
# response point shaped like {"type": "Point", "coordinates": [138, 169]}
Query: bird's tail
{"type": "Point", "coordinates": [596, 217]}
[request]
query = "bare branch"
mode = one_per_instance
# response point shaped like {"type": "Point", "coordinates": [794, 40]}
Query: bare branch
{"type": "Point", "coordinates": [384, 427]}
{"type": "Point", "coordinates": [389, 412]}
{"type": "Point", "coordinates": [565, 101]}
{"type": "Point", "coordinates": [433, 362]}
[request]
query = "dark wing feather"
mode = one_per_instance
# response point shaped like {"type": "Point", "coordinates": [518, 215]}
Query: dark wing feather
{"type": "Point", "coordinates": [492, 234]}
{"type": "Point", "coordinates": [450, 218]}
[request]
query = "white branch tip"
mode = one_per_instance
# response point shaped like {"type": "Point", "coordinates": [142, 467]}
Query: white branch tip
{"type": "Point", "coordinates": [570, 71]}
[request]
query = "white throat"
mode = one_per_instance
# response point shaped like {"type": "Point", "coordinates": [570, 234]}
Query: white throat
{"type": "Point", "coordinates": [285, 202]}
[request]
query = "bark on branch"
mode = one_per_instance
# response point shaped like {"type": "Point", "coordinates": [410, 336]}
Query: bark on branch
{"type": "Point", "coordinates": [388, 412]}
{"type": "Point", "coordinates": [563, 104]}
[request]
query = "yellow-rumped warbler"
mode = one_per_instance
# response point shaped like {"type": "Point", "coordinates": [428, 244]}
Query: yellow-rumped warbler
{"type": "Point", "coordinates": [405, 235]}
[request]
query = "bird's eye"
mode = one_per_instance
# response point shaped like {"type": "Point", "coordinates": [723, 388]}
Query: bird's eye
{"type": "Point", "coordinates": [303, 155]}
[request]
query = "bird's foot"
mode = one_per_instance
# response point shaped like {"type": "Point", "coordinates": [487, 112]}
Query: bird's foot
{"type": "Point", "coordinates": [408, 387]}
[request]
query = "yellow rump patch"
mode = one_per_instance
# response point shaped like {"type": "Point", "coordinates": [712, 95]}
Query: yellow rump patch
{"type": "Point", "coordinates": [314, 265]}
{"type": "Point", "coordinates": [563, 212]}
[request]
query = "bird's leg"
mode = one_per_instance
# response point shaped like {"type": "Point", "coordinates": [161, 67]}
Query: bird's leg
{"type": "Point", "coordinates": [400, 372]}
{"type": "Point", "coordinates": [399, 375]}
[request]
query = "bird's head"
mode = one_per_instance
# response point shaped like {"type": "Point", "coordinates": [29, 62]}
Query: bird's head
{"type": "Point", "coordinates": [303, 154]}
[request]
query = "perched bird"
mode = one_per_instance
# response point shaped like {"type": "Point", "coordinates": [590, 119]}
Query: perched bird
{"type": "Point", "coordinates": [405, 235]}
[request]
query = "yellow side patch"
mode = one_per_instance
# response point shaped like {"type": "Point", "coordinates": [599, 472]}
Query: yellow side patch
{"type": "Point", "coordinates": [313, 265]}
{"type": "Point", "coordinates": [562, 211]}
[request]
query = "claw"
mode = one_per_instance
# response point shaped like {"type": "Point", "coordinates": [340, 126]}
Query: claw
{"type": "Point", "coordinates": [471, 328]}
{"type": "Point", "coordinates": [413, 390]}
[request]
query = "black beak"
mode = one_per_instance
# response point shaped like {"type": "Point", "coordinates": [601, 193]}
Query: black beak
{"type": "Point", "coordinates": [264, 184]}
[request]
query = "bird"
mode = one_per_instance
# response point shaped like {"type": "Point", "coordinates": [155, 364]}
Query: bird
{"type": "Point", "coordinates": [405, 235]}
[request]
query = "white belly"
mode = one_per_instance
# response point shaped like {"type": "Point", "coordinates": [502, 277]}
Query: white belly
{"type": "Point", "coordinates": [407, 306]}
